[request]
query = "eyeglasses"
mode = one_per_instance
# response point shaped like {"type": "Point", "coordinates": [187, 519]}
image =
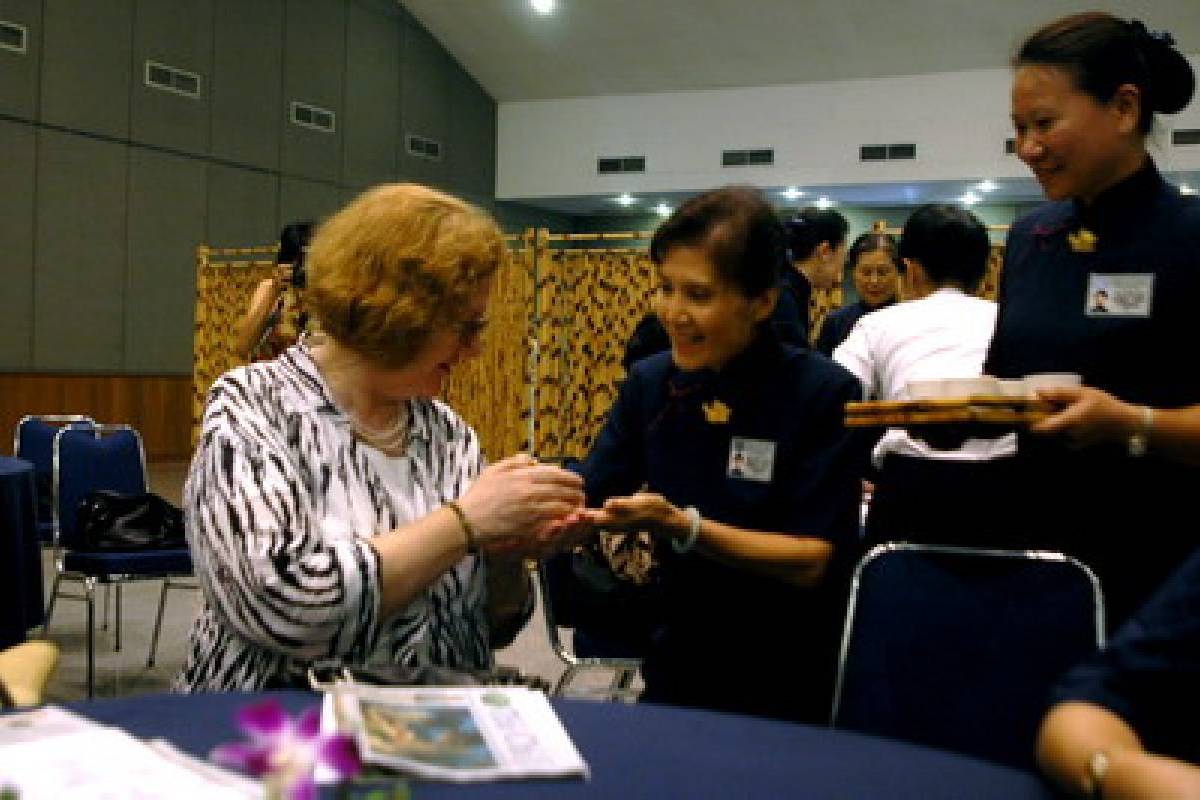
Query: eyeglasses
{"type": "Point", "coordinates": [470, 329]}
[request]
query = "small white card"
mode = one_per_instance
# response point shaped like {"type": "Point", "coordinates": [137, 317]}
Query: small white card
{"type": "Point", "coordinates": [751, 459]}
{"type": "Point", "coordinates": [1119, 295]}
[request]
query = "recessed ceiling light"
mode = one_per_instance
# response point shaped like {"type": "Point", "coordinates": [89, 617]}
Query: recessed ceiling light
{"type": "Point", "coordinates": [542, 6]}
{"type": "Point", "coordinates": [625, 199]}
{"type": "Point", "coordinates": [824, 202]}
{"type": "Point", "coordinates": [987, 185]}
{"type": "Point", "coordinates": [792, 193]}
{"type": "Point", "coordinates": [969, 199]}
{"type": "Point", "coordinates": [663, 210]}
{"type": "Point", "coordinates": [1185, 188]}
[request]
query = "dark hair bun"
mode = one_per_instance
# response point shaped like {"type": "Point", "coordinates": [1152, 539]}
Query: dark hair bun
{"type": "Point", "coordinates": [1172, 80]}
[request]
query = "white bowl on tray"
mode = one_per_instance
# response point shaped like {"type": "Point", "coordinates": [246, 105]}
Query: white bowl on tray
{"type": "Point", "coordinates": [1051, 380]}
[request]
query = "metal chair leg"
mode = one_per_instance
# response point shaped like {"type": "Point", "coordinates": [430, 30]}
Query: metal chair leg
{"type": "Point", "coordinates": [50, 605]}
{"type": "Point", "coordinates": [117, 618]}
{"type": "Point", "coordinates": [107, 599]}
{"type": "Point", "coordinates": [89, 590]}
{"type": "Point", "coordinates": [162, 604]}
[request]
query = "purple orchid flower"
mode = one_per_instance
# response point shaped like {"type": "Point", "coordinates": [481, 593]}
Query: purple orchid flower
{"type": "Point", "coordinates": [285, 751]}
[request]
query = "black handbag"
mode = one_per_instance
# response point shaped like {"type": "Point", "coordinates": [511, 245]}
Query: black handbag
{"type": "Point", "coordinates": [112, 522]}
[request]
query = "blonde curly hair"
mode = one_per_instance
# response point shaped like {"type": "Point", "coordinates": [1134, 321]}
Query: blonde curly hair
{"type": "Point", "coordinates": [397, 263]}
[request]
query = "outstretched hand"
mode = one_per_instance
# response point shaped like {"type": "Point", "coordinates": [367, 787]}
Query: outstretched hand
{"type": "Point", "coordinates": [1087, 416]}
{"type": "Point", "coordinates": [640, 511]}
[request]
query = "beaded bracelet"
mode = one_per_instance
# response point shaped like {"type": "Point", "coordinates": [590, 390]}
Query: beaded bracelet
{"type": "Point", "coordinates": [468, 528]}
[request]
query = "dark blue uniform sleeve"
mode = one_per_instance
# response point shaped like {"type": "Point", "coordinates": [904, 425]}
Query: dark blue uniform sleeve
{"type": "Point", "coordinates": [791, 326]}
{"type": "Point", "coordinates": [1149, 673]}
{"type": "Point", "coordinates": [615, 466]}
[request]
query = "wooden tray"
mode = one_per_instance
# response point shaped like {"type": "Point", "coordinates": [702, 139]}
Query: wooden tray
{"type": "Point", "coordinates": [986, 410]}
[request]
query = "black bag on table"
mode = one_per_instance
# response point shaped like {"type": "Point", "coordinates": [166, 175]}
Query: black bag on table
{"type": "Point", "coordinates": [112, 522]}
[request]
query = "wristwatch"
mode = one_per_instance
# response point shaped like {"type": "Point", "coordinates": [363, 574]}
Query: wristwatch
{"type": "Point", "coordinates": [1139, 440]}
{"type": "Point", "coordinates": [1097, 768]}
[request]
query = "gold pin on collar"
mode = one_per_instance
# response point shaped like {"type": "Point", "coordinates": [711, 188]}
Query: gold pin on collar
{"type": "Point", "coordinates": [1083, 241]}
{"type": "Point", "coordinates": [716, 412]}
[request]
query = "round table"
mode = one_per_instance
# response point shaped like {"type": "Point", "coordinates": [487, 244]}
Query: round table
{"type": "Point", "coordinates": [650, 751]}
{"type": "Point", "coordinates": [20, 552]}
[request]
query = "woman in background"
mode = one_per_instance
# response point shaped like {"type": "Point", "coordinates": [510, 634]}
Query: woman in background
{"type": "Point", "coordinates": [874, 263]}
{"type": "Point", "coordinates": [816, 242]}
{"type": "Point", "coordinates": [274, 318]}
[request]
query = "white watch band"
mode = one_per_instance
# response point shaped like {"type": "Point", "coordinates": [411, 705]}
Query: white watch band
{"type": "Point", "coordinates": [693, 515]}
{"type": "Point", "coordinates": [1139, 441]}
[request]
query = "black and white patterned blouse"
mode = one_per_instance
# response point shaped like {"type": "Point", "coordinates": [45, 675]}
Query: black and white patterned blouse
{"type": "Point", "coordinates": [281, 501]}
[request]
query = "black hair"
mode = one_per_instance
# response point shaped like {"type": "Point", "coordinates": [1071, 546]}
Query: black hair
{"type": "Point", "coordinates": [950, 242]}
{"type": "Point", "coordinates": [737, 229]}
{"type": "Point", "coordinates": [812, 226]}
{"type": "Point", "coordinates": [1102, 52]}
{"type": "Point", "coordinates": [293, 244]}
{"type": "Point", "coordinates": [871, 242]}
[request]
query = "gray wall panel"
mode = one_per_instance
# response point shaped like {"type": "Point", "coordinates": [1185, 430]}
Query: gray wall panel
{"type": "Point", "coordinates": [16, 252]}
{"type": "Point", "coordinates": [314, 64]}
{"type": "Point", "coordinates": [166, 222]}
{"type": "Point", "coordinates": [300, 199]}
{"type": "Point", "coordinates": [81, 211]}
{"type": "Point", "coordinates": [372, 119]}
{"type": "Point", "coordinates": [425, 86]}
{"type": "Point", "coordinates": [247, 80]}
{"type": "Point", "coordinates": [241, 207]}
{"type": "Point", "coordinates": [471, 151]}
{"type": "Point", "coordinates": [19, 71]}
{"type": "Point", "coordinates": [86, 65]}
{"type": "Point", "coordinates": [179, 35]}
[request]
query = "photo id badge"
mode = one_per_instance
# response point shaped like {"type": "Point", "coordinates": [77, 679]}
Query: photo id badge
{"type": "Point", "coordinates": [751, 459]}
{"type": "Point", "coordinates": [1126, 294]}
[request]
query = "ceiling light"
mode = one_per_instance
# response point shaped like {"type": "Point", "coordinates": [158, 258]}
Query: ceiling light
{"type": "Point", "coordinates": [824, 202]}
{"type": "Point", "coordinates": [792, 193]}
{"type": "Point", "coordinates": [542, 6]}
{"type": "Point", "coordinates": [625, 199]}
{"type": "Point", "coordinates": [969, 199]}
{"type": "Point", "coordinates": [987, 185]}
{"type": "Point", "coordinates": [1185, 188]}
{"type": "Point", "coordinates": [663, 210]}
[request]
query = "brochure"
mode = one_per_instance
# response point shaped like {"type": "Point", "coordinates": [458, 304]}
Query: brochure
{"type": "Point", "coordinates": [460, 734]}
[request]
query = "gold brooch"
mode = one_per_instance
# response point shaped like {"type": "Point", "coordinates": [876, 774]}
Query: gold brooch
{"type": "Point", "coordinates": [716, 412]}
{"type": "Point", "coordinates": [1083, 241]}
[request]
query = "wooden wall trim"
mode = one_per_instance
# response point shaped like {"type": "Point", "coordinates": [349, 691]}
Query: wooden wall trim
{"type": "Point", "coordinates": [159, 406]}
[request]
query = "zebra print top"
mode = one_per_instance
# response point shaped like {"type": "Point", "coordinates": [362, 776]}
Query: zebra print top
{"type": "Point", "coordinates": [281, 503]}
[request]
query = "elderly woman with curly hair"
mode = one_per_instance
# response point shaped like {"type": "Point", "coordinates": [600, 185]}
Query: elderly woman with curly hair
{"type": "Point", "coordinates": [335, 508]}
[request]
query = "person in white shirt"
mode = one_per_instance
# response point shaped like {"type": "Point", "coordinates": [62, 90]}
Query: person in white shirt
{"type": "Point", "coordinates": [940, 331]}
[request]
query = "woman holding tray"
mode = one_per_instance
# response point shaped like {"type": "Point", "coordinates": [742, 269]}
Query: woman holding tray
{"type": "Point", "coordinates": [1103, 482]}
{"type": "Point", "coordinates": [731, 447]}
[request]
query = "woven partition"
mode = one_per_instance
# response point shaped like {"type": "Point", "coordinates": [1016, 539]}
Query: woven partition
{"type": "Point", "coordinates": [225, 279]}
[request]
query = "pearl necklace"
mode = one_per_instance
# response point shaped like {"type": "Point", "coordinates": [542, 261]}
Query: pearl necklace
{"type": "Point", "coordinates": [392, 439]}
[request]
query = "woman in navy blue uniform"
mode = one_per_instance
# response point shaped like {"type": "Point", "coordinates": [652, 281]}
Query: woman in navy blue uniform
{"type": "Point", "coordinates": [1084, 95]}
{"type": "Point", "coordinates": [816, 243]}
{"type": "Point", "coordinates": [731, 446]}
{"type": "Point", "coordinates": [874, 261]}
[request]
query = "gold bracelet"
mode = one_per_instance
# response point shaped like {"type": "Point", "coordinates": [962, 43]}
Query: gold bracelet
{"type": "Point", "coordinates": [468, 529]}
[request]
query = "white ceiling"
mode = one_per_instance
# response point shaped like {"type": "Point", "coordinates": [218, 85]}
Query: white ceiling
{"type": "Point", "coordinates": [604, 47]}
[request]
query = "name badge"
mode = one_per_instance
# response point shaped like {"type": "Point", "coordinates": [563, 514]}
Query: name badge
{"type": "Point", "coordinates": [1119, 295]}
{"type": "Point", "coordinates": [751, 459]}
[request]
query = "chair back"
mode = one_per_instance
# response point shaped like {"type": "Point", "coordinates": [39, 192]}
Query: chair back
{"type": "Point", "coordinates": [106, 457]}
{"type": "Point", "coordinates": [33, 440]}
{"type": "Point", "coordinates": [958, 648]}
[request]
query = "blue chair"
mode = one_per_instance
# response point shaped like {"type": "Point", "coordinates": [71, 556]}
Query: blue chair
{"type": "Point", "coordinates": [106, 457]}
{"type": "Point", "coordinates": [958, 648]}
{"type": "Point", "coordinates": [33, 440]}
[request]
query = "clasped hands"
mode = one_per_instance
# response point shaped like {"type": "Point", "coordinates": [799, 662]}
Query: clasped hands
{"type": "Point", "coordinates": [520, 507]}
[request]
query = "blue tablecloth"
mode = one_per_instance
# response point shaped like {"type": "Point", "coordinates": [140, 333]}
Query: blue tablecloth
{"type": "Point", "coordinates": [652, 751]}
{"type": "Point", "coordinates": [20, 552]}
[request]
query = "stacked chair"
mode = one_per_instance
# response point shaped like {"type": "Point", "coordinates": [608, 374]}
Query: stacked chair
{"type": "Point", "coordinates": [33, 440]}
{"type": "Point", "coordinates": [959, 648]}
{"type": "Point", "coordinates": [84, 460]}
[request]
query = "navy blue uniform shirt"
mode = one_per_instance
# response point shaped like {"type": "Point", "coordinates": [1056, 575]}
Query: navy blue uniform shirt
{"type": "Point", "coordinates": [790, 318]}
{"type": "Point", "coordinates": [659, 435]}
{"type": "Point", "coordinates": [1124, 516]}
{"type": "Point", "coordinates": [1149, 675]}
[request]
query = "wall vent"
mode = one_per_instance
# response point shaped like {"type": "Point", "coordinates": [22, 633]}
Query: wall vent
{"type": "Point", "coordinates": [309, 116]}
{"type": "Point", "coordinates": [887, 152]}
{"type": "Point", "coordinates": [13, 37]}
{"type": "Point", "coordinates": [613, 165]}
{"type": "Point", "coordinates": [1185, 136]}
{"type": "Point", "coordinates": [758, 157]}
{"type": "Point", "coordinates": [424, 147]}
{"type": "Point", "coordinates": [1010, 147]}
{"type": "Point", "coordinates": [172, 79]}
